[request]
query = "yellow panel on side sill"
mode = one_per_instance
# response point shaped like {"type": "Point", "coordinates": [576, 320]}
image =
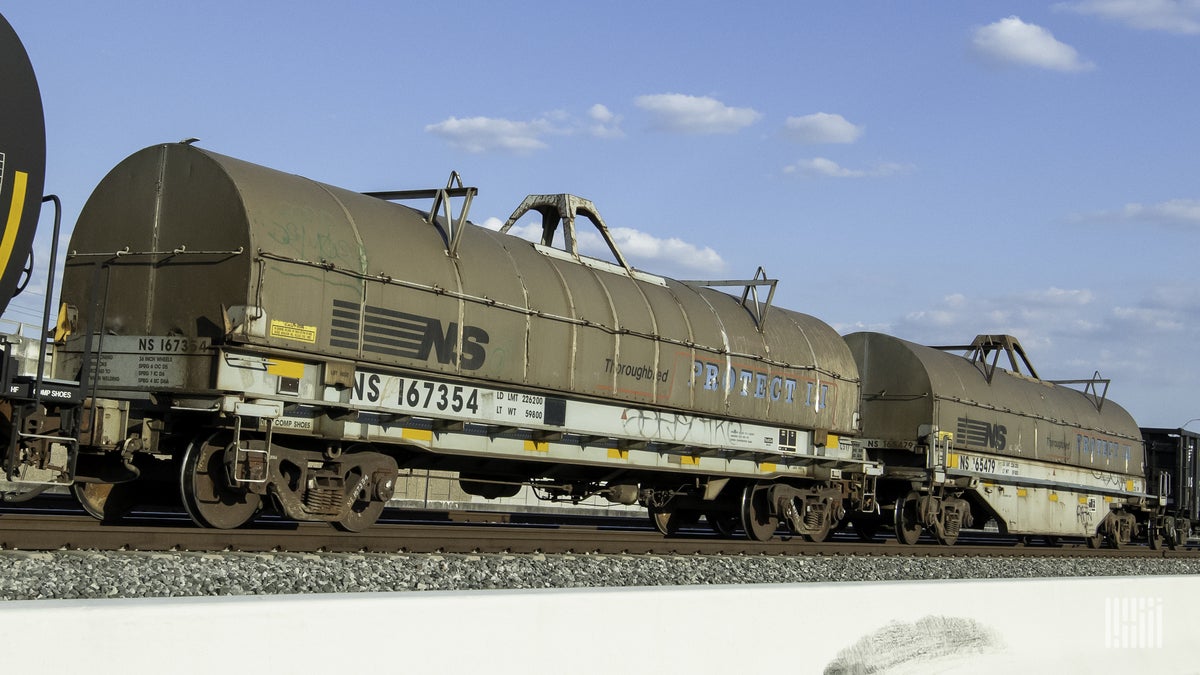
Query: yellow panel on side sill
{"type": "Point", "coordinates": [537, 446]}
{"type": "Point", "coordinates": [292, 369]}
{"type": "Point", "coordinates": [417, 434]}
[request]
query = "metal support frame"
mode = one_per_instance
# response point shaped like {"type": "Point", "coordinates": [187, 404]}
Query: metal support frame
{"type": "Point", "coordinates": [441, 202]}
{"type": "Point", "coordinates": [1092, 388]}
{"type": "Point", "coordinates": [758, 309]}
{"type": "Point", "coordinates": [563, 209]}
{"type": "Point", "coordinates": [985, 351]}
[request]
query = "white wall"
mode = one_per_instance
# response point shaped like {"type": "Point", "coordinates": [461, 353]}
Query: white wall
{"type": "Point", "coordinates": [1045, 625]}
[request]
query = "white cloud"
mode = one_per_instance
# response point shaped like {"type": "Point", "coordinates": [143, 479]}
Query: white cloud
{"type": "Point", "coordinates": [490, 134]}
{"type": "Point", "coordinates": [1152, 317]}
{"type": "Point", "coordinates": [1013, 42]}
{"type": "Point", "coordinates": [1054, 297]}
{"type": "Point", "coordinates": [1034, 317]}
{"type": "Point", "coordinates": [695, 114]}
{"type": "Point", "coordinates": [642, 250]}
{"type": "Point", "coordinates": [1171, 16]}
{"type": "Point", "coordinates": [641, 246]}
{"type": "Point", "coordinates": [484, 134]}
{"type": "Point", "coordinates": [1178, 295]}
{"type": "Point", "coordinates": [601, 114]}
{"type": "Point", "coordinates": [821, 166]}
{"type": "Point", "coordinates": [604, 123]}
{"type": "Point", "coordinates": [1179, 213]}
{"type": "Point", "coordinates": [822, 128]}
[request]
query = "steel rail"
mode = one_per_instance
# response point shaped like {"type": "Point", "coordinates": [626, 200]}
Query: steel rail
{"type": "Point", "coordinates": [58, 532]}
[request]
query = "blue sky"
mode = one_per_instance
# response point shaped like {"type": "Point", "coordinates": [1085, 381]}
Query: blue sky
{"type": "Point", "coordinates": [932, 170]}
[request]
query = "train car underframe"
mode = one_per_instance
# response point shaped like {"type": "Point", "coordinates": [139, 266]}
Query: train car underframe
{"type": "Point", "coordinates": [225, 466]}
{"type": "Point", "coordinates": [226, 458]}
{"type": "Point", "coordinates": [954, 494]}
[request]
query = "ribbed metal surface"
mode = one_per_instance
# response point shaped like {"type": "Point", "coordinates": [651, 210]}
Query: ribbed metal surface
{"type": "Point", "coordinates": [909, 389]}
{"type": "Point", "coordinates": [336, 273]}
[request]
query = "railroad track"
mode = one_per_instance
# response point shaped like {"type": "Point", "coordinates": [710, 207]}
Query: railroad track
{"type": "Point", "coordinates": [167, 532]}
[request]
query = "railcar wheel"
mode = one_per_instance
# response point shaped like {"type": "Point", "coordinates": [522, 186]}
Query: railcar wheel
{"type": "Point", "coordinates": [106, 502]}
{"type": "Point", "coordinates": [866, 529]}
{"type": "Point", "coordinates": [1095, 540]}
{"type": "Point", "coordinates": [365, 510]}
{"type": "Point", "coordinates": [908, 521]}
{"type": "Point", "coordinates": [724, 524]}
{"type": "Point", "coordinates": [1170, 536]}
{"type": "Point", "coordinates": [204, 485]}
{"type": "Point", "coordinates": [665, 520]}
{"type": "Point", "coordinates": [668, 520]}
{"type": "Point", "coordinates": [757, 520]}
{"type": "Point", "coordinates": [362, 515]}
{"type": "Point", "coordinates": [1155, 538]}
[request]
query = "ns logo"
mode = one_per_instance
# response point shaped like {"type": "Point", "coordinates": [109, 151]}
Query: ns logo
{"type": "Point", "coordinates": [411, 336]}
{"type": "Point", "coordinates": [983, 434]}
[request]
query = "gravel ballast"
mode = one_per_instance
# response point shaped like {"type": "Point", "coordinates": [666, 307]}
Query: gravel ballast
{"type": "Point", "coordinates": [83, 574]}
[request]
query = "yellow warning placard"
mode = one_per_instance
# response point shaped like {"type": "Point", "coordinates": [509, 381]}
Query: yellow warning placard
{"type": "Point", "coordinates": [293, 331]}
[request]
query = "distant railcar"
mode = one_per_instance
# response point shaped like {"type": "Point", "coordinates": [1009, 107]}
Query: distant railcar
{"type": "Point", "coordinates": [1174, 473]}
{"type": "Point", "coordinates": [964, 439]}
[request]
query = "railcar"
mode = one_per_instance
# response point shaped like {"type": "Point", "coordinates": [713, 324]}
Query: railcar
{"type": "Point", "coordinates": [965, 438]}
{"type": "Point", "coordinates": [22, 162]}
{"type": "Point", "coordinates": [1174, 473]}
{"type": "Point", "coordinates": [263, 336]}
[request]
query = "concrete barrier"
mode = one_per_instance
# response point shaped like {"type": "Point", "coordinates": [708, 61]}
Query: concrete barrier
{"type": "Point", "coordinates": [1097, 625]}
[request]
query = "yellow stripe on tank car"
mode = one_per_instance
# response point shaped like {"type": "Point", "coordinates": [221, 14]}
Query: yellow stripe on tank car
{"type": "Point", "coordinates": [1053, 496]}
{"type": "Point", "coordinates": [766, 467]}
{"type": "Point", "coordinates": [20, 186]}
{"type": "Point", "coordinates": [537, 446]}
{"type": "Point", "coordinates": [1022, 492]}
{"type": "Point", "coordinates": [617, 453]}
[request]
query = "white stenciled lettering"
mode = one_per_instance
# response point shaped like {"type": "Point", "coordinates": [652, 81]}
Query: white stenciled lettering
{"type": "Point", "coordinates": [752, 383]}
